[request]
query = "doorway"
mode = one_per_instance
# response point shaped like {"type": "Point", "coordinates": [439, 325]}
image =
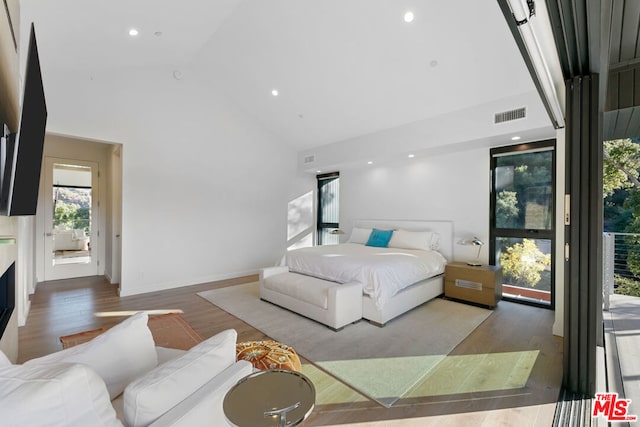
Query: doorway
{"type": "Point", "coordinates": [71, 218]}
{"type": "Point", "coordinates": [522, 232]}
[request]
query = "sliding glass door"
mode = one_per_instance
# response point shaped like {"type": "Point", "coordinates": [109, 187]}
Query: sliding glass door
{"type": "Point", "coordinates": [522, 220]}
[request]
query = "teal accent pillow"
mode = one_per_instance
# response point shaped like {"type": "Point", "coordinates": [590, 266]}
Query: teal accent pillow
{"type": "Point", "coordinates": [379, 238]}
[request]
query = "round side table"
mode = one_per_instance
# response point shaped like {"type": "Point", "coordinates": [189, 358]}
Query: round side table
{"type": "Point", "coordinates": [271, 398]}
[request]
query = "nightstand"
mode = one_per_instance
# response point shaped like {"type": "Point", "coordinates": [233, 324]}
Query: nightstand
{"type": "Point", "coordinates": [480, 285]}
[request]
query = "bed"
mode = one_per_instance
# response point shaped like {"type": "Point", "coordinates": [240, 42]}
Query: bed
{"type": "Point", "coordinates": [391, 280]}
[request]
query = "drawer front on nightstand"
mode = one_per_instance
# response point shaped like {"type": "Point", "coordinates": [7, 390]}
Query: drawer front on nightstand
{"type": "Point", "coordinates": [487, 277]}
{"type": "Point", "coordinates": [472, 291]}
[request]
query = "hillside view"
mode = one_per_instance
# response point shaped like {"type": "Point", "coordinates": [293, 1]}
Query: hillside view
{"type": "Point", "coordinates": [621, 190]}
{"type": "Point", "coordinates": [72, 208]}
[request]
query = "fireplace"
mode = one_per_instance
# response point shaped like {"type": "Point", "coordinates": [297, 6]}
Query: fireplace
{"type": "Point", "coordinates": [7, 296]}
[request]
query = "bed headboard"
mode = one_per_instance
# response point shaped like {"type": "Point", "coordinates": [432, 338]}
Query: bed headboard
{"type": "Point", "coordinates": [444, 228]}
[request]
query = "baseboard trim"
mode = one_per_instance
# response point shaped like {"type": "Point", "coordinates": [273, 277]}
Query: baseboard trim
{"type": "Point", "coordinates": [124, 291]}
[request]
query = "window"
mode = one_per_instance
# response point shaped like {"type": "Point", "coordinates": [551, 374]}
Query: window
{"type": "Point", "coordinates": [523, 220]}
{"type": "Point", "coordinates": [328, 208]}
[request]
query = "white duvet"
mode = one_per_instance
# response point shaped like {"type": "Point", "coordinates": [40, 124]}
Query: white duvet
{"type": "Point", "coordinates": [383, 272]}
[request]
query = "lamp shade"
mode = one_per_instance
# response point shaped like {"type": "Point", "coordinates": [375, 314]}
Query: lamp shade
{"type": "Point", "coordinates": [475, 241]}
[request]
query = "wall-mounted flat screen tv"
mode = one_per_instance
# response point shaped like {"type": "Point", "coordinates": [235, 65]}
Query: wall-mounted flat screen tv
{"type": "Point", "coordinates": [22, 152]}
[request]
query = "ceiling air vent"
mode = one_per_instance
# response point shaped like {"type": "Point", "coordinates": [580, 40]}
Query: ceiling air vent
{"type": "Point", "coordinates": [309, 159]}
{"type": "Point", "coordinates": [507, 116]}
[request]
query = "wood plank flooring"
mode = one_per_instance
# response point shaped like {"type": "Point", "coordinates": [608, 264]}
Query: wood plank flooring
{"type": "Point", "coordinates": [67, 306]}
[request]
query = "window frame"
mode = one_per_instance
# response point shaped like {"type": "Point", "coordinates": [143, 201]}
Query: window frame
{"type": "Point", "coordinates": [494, 232]}
{"type": "Point", "coordinates": [323, 179]}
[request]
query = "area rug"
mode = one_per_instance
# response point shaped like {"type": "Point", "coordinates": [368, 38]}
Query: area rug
{"type": "Point", "coordinates": [168, 330]}
{"type": "Point", "coordinates": [381, 363]}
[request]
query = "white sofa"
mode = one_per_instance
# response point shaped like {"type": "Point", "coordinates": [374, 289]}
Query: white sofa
{"type": "Point", "coordinates": [70, 240]}
{"type": "Point", "coordinates": [121, 378]}
{"type": "Point", "coordinates": [333, 304]}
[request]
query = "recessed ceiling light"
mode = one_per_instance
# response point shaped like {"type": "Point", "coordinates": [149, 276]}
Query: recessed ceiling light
{"type": "Point", "coordinates": [274, 92]}
{"type": "Point", "coordinates": [411, 156]}
{"type": "Point", "coordinates": [318, 171]}
{"type": "Point", "coordinates": [515, 138]}
{"type": "Point", "coordinates": [133, 32]}
{"type": "Point", "coordinates": [369, 162]}
{"type": "Point", "coordinates": [409, 16]}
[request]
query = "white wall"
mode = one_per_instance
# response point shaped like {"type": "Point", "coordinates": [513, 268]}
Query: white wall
{"type": "Point", "coordinates": [453, 186]}
{"type": "Point", "coordinates": [205, 190]}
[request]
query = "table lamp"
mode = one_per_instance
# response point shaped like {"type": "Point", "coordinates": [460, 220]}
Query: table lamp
{"type": "Point", "coordinates": [474, 242]}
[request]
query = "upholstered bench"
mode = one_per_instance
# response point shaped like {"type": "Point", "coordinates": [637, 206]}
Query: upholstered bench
{"type": "Point", "coordinates": [268, 354]}
{"type": "Point", "coordinates": [333, 304]}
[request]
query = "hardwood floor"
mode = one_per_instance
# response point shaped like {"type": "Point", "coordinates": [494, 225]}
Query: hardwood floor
{"type": "Point", "coordinates": [67, 306]}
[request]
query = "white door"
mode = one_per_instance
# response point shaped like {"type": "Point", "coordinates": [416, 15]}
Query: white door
{"type": "Point", "coordinates": [116, 213]}
{"type": "Point", "coordinates": [71, 219]}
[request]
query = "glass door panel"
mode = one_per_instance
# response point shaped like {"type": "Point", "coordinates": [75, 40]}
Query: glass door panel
{"type": "Point", "coordinates": [522, 220]}
{"type": "Point", "coordinates": [72, 200]}
{"type": "Point", "coordinates": [524, 191]}
{"type": "Point", "coordinates": [71, 235]}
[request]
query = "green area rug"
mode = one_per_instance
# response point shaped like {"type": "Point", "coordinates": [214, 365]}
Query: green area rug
{"type": "Point", "coordinates": [381, 363]}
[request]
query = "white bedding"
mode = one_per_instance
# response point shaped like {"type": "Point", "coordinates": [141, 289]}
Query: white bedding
{"type": "Point", "coordinates": [383, 272]}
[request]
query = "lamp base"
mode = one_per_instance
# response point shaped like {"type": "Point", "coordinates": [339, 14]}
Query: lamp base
{"type": "Point", "coordinates": [474, 264]}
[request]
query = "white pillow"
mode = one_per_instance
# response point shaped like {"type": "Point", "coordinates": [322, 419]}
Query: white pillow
{"type": "Point", "coordinates": [423, 240]}
{"type": "Point", "coordinates": [119, 355]}
{"type": "Point", "coordinates": [4, 360]}
{"type": "Point", "coordinates": [359, 235]}
{"type": "Point", "coordinates": [61, 395]}
{"type": "Point", "coordinates": [150, 396]}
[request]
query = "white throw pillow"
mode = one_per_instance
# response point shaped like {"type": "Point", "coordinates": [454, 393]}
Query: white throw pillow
{"type": "Point", "coordinates": [119, 355]}
{"type": "Point", "coordinates": [359, 235]}
{"type": "Point", "coordinates": [4, 360]}
{"type": "Point", "coordinates": [150, 396]}
{"type": "Point", "coordinates": [423, 240]}
{"type": "Point", "coordinates": [61, 395]}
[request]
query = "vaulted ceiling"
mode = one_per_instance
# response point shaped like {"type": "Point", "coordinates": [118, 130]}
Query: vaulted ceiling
{"type": "Point", "coordinates": [342, 68]}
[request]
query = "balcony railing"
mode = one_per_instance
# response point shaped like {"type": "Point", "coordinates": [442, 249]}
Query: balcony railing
{"type": "Point", "coordinates": [619, 251]}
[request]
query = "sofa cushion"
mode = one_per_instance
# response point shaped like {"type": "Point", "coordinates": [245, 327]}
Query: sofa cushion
{"type": "Point", "coordinates": [164, 355]}
{"type": "Point", "coordinates": [151, 395]}
{"type": "Point", "coordinates": [119, 355]}
{"type": "Point", "coordinates": [65, 395]}
{"type": "Point", "coordinates": [304, 288]}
